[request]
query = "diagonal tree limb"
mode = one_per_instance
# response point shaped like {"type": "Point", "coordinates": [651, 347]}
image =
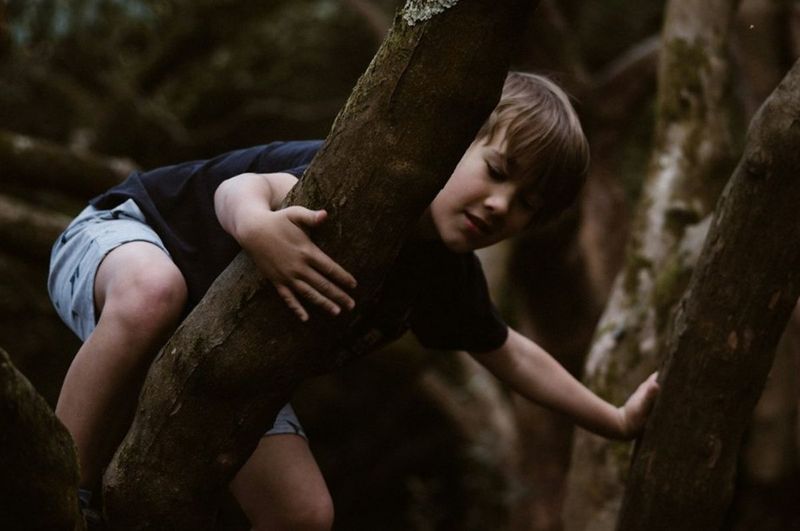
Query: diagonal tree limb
{"type": "Point", "coordinates": [236, 359]}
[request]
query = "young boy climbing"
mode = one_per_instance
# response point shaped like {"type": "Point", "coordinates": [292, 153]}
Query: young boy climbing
{"type": "Point", "coordinates": [132, 264]}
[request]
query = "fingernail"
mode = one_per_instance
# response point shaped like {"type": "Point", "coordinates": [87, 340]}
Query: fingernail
{"type": "Point", "coordinates": [335, 310]}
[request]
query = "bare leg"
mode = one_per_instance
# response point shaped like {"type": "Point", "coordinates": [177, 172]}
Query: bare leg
{"type": "Point", "coordinates": [140, 295]}
{"type": "Point", "coordinates": [281, 488]}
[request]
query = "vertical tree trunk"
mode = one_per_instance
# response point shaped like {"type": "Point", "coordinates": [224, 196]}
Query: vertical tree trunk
{"type": "Point", "coordinates": [692, 158]}
{"type": "Point", "coordinates": [235, 360]}
{"type": "Point", "coordinates": [38, 464]}
{"type": "Point", "coordinates": [742, 292]}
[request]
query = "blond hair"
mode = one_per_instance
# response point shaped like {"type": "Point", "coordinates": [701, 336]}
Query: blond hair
{"type": "Point", "coordinates": [544, 139]}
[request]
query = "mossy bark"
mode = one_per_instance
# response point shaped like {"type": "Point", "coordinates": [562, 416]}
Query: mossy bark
{"type": "Point", "coordinates": [219, 381]}
{"type": "Point", "coordinates": [741, 294]}
{"type": "Point", "coordinates": [692, 157]}
{"type": "Point", "coordinates": [38, 463]}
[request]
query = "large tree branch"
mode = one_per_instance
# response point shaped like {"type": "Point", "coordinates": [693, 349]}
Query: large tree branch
{"type": "Point", "coordinates": [38, 463]}
{"type": "Point", "coordinates": [238, 356]}
{"type": "Point", "coordinates": [743, 290]}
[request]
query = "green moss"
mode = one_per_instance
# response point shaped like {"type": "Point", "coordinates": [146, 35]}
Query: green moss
{"type": "Point", "coordinates": [635, 262]}
{"type": "Point", "coordinates": [678, 94]}
{"type": "Point", "coordinates": [670, 284]}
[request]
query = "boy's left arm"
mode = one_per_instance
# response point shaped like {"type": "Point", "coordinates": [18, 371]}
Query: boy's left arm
{"type": "Point", "coordinates": [532, 372]}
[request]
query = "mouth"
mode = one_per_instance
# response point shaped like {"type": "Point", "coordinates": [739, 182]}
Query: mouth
{"type": "Point", "coordinates": [477, 224]}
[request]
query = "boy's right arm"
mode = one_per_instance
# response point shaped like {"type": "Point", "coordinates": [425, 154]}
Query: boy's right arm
{"type": "Point", "coordinates": [248, 208]}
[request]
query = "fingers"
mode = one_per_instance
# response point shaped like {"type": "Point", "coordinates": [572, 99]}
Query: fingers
{"type": "Point", "coordinates": [292, 302]}
{"type": "Point", "coordinates": [330, 269]}
{"type": "Point", "coordinates": [311, 294]}
{"type": "Point", "coordinates": [302, 271]}
{"type": "Point", "coordinates": [640, 404]}
{"type": "Point", "coordinates": [317, 291]}
{"type": "Point", "coordinates": [304, 217]}
{"type": "Point", "coordinates": [329, 293]}
{"type": "Point", "coordinates": [650, 388]}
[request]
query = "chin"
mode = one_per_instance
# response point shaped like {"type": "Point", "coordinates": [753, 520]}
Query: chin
{"type": "Point", "coordinates": [459, 246]}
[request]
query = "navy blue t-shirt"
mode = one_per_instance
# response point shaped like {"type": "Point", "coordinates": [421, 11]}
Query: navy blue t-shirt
{"type": "Point", "coordinates": [441, 295]}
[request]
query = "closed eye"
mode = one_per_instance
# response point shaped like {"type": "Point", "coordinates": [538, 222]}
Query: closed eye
{"type": "Point", "coordinates": [495, 172]}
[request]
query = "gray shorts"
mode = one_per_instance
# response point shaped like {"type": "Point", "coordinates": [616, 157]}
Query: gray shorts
{"type": "Point", "coordinates": [77, 255]}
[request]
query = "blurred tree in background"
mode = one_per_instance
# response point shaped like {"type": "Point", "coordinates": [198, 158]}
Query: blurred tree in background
{"type": "Point", "coordinates": [407, 439]}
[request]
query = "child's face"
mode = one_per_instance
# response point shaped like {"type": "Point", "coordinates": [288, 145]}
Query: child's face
{"type": "Point", "coordinates": [482, 203]}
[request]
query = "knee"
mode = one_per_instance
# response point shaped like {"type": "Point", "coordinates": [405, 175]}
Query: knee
{"type": "Point", "coordinates": [313, 513]}
{"type": "Point", "coordinates": [147, 301]}
{"type": "Point", "coordinates": [316, 516]}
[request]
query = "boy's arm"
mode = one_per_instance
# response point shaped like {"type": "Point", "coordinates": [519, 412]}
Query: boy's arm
{"type": "Point", "coordinates": [248, 208]}
{"type": "Point", "coordinates": [532, 372]}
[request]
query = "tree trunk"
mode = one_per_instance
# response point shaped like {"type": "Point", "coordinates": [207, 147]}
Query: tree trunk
{"type": "Point", "coordinates": [691, 159]}
{"type": "Point", "coordinates": [738, 302]}
{"type": "Point", "coordinates": [220, 380]}
{"type": "Point", "coordinates": [38, 464]}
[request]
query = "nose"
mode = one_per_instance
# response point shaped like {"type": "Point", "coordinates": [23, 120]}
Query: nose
{"type": "Point", "coordinates": [498, 201]}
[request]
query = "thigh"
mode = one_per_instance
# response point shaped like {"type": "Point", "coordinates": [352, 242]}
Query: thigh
{"type": "Point", "coordinates": [79, 252]}
{"type": "Point", "coordinates": [280, 481]}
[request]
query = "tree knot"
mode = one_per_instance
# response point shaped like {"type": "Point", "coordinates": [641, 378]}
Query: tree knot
{"type": "Point", "coordinates": [757, 164]}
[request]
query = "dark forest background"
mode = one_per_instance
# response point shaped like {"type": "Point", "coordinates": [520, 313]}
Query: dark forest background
{"type": "Point", "coordinates": [407, 438]}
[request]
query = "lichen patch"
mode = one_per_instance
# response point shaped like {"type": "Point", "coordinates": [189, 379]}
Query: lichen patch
{"type": "Point", "coordinates": [416, 11]}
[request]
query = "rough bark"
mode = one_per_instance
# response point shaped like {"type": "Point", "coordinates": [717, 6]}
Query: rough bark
{"type": "Point", "coordinates": [770, 454]}
{"type": "Point", "coordinates": [38, 463]}
{"type": "Point", "coordinates": [691, 159]}
{"type": "Point", "coordinates": [741, 295]}
{"type": "Point", "coordinates": [33, 163]}
{"type": "Point", "coordinates": [238, 356]}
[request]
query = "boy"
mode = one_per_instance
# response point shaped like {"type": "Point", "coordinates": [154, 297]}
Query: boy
{"type": "Point", "coordinates": [132, 264]}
